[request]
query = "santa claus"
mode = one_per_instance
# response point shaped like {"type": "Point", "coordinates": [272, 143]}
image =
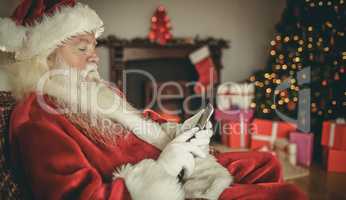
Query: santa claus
{"type": "Point", "coordinates": [73, 136]}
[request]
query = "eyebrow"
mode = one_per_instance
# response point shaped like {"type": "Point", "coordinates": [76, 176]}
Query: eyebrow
{"type": "Point", "coordinates": [88, 41]}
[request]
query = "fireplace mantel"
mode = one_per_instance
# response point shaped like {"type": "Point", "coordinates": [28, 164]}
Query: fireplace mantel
{"type": "Point", "coordinates": [165, 62]}
{"type": "Point", "coordinates": [123, 51]}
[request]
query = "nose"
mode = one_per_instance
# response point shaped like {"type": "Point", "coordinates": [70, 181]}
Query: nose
{"type": "Point", "coordinates": [94, 57]}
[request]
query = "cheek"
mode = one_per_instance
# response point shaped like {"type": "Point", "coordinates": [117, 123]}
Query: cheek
{"type": "Point", "coordinates": [74, 59]}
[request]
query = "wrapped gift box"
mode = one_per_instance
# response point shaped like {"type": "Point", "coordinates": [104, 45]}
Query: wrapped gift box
{"type": "Point", "coordinates": [234, 127]}
{"type": "Point", "coordinates": [233, 115]}
{"type": "Point", "coordinates": [335, 160]}
{"type": "Point", "coordinates": [334, 135]}
{"type": "Point", "coordinates": [305, 143]}
{"type": "Point", "coordinates": [236, 133]}
{"type": "Point", "coordinates": [223, 134]}
{"type": "Point", "coordinates": [265, 132]}
{"type": "Point", "coordinates": [238, 95]}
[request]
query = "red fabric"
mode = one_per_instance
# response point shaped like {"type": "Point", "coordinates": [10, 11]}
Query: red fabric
{"type": "Point", "coordinates": [56, 161]}
{"type": "Point", "coordinates": [30, 11]}
{"type": "Point", "coordinates": [258, 175]}
{"type": "Point", "coordinates": [61, 163]}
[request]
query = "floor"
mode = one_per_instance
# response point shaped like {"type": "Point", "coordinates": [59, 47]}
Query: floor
{"type": "Point", "coordinates": [320, 185]}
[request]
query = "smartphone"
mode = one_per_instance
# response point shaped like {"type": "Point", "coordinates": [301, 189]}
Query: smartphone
{"type": "Point", "coordinates": [203, 120]}
{"type": "Point", "coordinates": [201, 123]}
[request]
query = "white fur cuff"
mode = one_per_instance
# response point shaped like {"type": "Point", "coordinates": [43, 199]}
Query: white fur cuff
{"type": "Point", "coordinates": [208, 180]}
{"type": "Point", "coordinates": [147, 180]}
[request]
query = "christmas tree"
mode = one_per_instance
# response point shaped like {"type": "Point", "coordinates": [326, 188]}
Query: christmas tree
{"type": "Point", "coordinates": [160, 27]}
{"type": "Point", "coordinates": [306, 64]}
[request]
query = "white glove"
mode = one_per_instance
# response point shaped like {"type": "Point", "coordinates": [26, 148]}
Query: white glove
{"type": "Point", "coordinates": [179, 154]}
{"type": "Point", "coordinates": [204, 135]}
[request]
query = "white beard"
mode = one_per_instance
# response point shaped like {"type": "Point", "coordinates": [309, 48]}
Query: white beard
{"type": "Point", "coordinates": [86, 95]}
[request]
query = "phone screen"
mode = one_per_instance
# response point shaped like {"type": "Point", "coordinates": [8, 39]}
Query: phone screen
{"type": "Point", "coordinates": [205, 116]}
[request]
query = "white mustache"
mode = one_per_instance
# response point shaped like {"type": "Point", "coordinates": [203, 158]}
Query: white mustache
{"type": "Point", "coordinates": [90, 72]}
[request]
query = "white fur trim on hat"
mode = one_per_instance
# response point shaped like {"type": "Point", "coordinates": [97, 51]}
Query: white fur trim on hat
{"type": "Point", "coordinates": [44, 36]}
{"type": "Point", "coordinates": [199, 54]}
{"type": "Point", "coordinates": [11, 36]}
{"type": "Point", "coordinates": [147, 180]}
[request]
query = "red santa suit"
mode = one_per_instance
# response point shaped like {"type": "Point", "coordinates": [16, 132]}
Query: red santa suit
{"type": "Point", "coordinates": [57, 161]}
{"type": "Point", "coordinates": [58, 156]}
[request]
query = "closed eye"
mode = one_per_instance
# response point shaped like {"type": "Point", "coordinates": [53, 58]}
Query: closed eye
{"type": "Point", "coordinates": [82, 49]}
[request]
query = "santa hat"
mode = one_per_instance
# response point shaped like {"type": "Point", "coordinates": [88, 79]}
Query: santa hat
{"type": "Point", "coordinates": [37, 27]}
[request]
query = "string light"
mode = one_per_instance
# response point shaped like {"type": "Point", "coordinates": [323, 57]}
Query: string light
{"type": "Point", "coordinates": [324, 82]}
{"type": "Point", "coordinates": [309, 49]}
{"type": "Point", "coordinates": [286, 39]}
{"type": "Point", "coordinates": [329, 24]}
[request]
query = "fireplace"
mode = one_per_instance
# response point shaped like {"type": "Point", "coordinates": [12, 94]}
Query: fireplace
{"type": "Point", "coordinates": [136, 63]}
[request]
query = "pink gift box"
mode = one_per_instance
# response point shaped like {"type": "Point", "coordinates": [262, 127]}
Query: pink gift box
{"type": "Point", "coordinates": [234, 115]}
{"type": "Point", "coordinates": [305, 143]}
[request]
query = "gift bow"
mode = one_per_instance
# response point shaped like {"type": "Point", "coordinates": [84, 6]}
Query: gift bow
{"type": "Point", "coordinates": [242, 130]}
{"type": "Point", "coordinates": [270, 138]}
{"type": "Point", "coordinates": [236, 93]}
{"type": "Point", "coordinates": [331, 135]}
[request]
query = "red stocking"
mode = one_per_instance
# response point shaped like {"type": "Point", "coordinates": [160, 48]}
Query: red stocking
{"type": "Point", "coordinates": [205, 68]}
